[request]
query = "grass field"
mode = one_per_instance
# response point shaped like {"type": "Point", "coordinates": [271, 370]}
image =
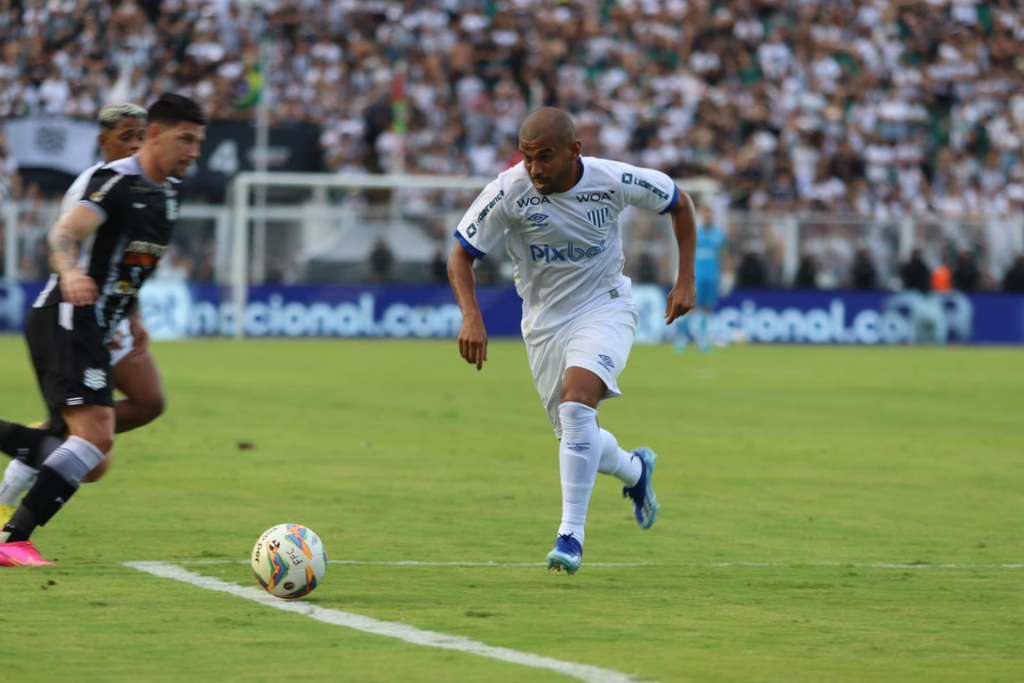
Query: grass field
{"type": "Point", "coordinates": [829, 514]}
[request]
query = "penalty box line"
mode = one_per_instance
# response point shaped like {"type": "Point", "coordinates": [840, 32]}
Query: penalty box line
{"type": "Point", "coordinates": [409, 634]}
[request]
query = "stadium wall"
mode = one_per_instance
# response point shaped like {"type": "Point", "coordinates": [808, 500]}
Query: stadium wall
{"type": "Point", "coordinates": [175, 309]}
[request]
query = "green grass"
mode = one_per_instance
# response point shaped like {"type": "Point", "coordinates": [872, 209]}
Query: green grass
{"type": "Point", "coordinates": [809, 495]}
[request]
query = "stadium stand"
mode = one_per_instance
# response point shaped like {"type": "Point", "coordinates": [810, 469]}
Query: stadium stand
{"type": "Point", "coordinates": [866, 107]}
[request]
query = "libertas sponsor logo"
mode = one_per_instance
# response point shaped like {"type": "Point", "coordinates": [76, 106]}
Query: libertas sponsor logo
{"type": "Point", "coordinates": [570, 252]}
{"type": "Point", "coordinates": [630, 179]}
{"type": "Point", "coordinates": [490, 205]}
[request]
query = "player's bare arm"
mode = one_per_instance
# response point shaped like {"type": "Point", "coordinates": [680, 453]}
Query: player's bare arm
{"type": "Point", "coordinates": [63, 239]}
{"type": "Point", "coordinates": [473, 333]}
{"type": "Point", "coordinates": [684, 293]}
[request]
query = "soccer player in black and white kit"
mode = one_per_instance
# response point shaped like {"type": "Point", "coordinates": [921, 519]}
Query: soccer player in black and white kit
{"type": "Point", "coordinates": [130, 206]}
{"type": "Point", "coordinates": [134, 371]}
{"type": "Point", "coordinates": [558, 214]}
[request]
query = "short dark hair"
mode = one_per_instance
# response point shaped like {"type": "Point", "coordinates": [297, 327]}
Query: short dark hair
{"type": "Point", "coordinates": [171, 109]}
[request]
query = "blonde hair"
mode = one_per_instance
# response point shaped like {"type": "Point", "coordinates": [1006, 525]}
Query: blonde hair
{"type": "Point", "coordinates": [113, 114]}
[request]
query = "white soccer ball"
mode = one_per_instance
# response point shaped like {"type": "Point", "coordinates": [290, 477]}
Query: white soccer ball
{"type": "Point", "coordinates": [289, 560]}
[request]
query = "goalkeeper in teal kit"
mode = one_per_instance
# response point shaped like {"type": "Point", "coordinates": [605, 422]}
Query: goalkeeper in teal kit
{"type": "Point", "coordinates": [711, 242]}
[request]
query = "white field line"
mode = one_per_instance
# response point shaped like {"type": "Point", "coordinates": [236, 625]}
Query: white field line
{"type": "Point", "coordinates": [706, 565]}
{"type": "Point", "coordinates": [409, 634]}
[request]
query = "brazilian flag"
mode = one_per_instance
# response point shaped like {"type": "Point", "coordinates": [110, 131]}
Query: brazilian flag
{"type": "Point", "coordinates": [251, 88]}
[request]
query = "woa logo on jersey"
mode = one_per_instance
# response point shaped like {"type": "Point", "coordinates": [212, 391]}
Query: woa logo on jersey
{"type": "Point", "coordinates": [570, 252]}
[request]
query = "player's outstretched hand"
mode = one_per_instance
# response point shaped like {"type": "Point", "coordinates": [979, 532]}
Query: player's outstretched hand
{"type": "Point", "coordinates": [473, 341]}
{"type": "Point", "coordinates": [77, 288]}
{"type": "Point", "coordinates": [680, 301]}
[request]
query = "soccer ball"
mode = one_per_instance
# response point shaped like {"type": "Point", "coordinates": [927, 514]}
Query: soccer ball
{"type": "Point", "coordinates": [289, 560]}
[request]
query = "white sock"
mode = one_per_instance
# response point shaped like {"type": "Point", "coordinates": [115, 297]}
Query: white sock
{"type": "Point", "coordinates": [618, 462]}
{"type": "Point", "coordinates": [579, 456]}
{"type": "Point", "coordinates": [73, 459]}
{"type": "Point", "coordinates": [18, 478]}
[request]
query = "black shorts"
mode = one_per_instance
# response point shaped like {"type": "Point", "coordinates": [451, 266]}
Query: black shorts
{"type": "Point", "coordinates": [71, 361]}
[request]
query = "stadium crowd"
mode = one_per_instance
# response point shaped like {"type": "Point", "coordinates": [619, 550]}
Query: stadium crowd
{"type": "Point", "coordinates": [872, 107]}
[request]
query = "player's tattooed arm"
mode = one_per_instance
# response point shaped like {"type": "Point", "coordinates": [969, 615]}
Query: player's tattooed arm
{"type": "Point", "coordinates": [63, 248]}
{"type": "Point", "coordinates": [64, 237]}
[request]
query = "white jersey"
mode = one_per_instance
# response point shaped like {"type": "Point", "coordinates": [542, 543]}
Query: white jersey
{"type": "Point", "coordinates": [566, 247]}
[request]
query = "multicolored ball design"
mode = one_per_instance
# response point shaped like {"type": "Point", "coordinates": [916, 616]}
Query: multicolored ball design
{"type": "Point", "coordinates": [289, 561]}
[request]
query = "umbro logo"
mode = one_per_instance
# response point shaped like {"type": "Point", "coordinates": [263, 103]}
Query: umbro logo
{"type": "Point", "coordinates": [138, 205]}
{"type": "Point", "coordinates": [606, 361]}
{"type": "Point", "coordinates": [578, 446]}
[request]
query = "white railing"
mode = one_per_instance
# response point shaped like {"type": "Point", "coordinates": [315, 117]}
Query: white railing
{"type": "Point", "coordinates": [335, 208]}
{"type": "Point", "coordinates": [244, 270]}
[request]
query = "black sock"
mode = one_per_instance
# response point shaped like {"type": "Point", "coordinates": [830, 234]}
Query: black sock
{"type": "Point", "coordinates": [31, 446]}
{"type": "Point", "coordinates": [21, 525]}
{"type": "Point", "coordinates": [46, 497]}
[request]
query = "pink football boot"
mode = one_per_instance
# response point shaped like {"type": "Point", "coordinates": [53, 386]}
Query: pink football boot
{"type": "Point", "coordinates": [21, 554]}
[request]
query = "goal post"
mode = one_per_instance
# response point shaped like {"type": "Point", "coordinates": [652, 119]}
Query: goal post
{"type": "Point", "coordinates": [246, 212]}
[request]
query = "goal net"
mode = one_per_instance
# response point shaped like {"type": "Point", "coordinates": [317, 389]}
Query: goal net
{"type": "Point", "coordinates": [321, 228]}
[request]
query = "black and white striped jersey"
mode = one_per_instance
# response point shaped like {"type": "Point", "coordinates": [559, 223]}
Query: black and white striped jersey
{"type": "Point", "coordinates": [139, 218]}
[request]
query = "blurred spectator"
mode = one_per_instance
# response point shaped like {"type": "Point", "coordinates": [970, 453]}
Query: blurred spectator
{"type": "Point", "coordinates": [176, 265]}
{"type": "Point", "coordinates": [439, 267]}
{"type": "Point", "coordinates": [382, 261]}
{"type": "Point", "coordinates": [915, 273]}
{"type": "Point", "coordinates": [942, 278]}
{"type": "Point", "coordinates": [646, 268]}
{"type": "Point", "coordinates": [806, 274]}
{"type": "Point", "coordinates": [863, 274]}
{"type": "Point", "coordinates": [1013, 280]}
{"type": "Point", "coordinates": [486, 271]}
{"type": "Point", "coordinates": [887, 110]}
{"type": "Point", "coordinates": [966, 276]}
{"type": "Point", "coordinates": [751, 273]}
{"type": "Point", "coordinates": [782, 102]}
{"type": "Point", "coordinates": [10, 181]}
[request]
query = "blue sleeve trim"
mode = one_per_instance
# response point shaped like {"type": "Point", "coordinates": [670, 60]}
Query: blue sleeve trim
{"type": "Point", "coordinates": [476, 253]}
{"type": "Point", "coordinates": [673, 202]}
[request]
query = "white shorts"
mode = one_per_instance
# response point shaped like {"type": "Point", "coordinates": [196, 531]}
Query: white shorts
{"type": "Point", "coordinates": [127, 343]}
{"type": "Point", "coordinates": [598, 341]}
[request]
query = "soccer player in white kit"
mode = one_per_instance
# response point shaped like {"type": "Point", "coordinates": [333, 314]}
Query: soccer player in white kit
{"type": "Point", "coordinates": [558, 213]}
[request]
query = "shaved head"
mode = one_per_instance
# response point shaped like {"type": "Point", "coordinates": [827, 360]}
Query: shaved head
{"type": "Point", "coordinates": [550, 122]}
{"type": "Point", "coordinates": [551, 150]}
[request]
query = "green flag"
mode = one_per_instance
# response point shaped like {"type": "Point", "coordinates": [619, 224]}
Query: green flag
{"type": "Point", "coordinates": [251, 89]}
